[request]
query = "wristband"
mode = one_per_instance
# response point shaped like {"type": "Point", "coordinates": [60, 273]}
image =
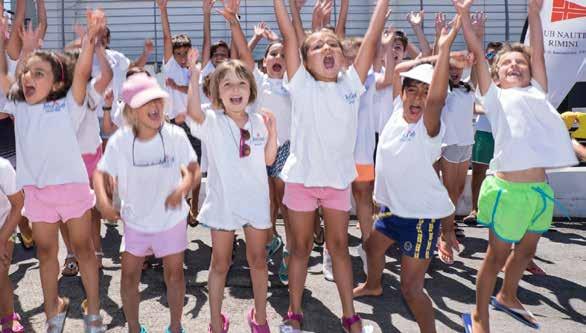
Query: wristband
{"type": "Point", "coordinates": [106, 108]}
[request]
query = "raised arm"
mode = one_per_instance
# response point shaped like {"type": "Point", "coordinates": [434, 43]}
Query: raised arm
{"type": "Point", "coordinates": [474, 45]}
{"type": "Point", "coordinates": [416, 21]}
{"type": "Point", "coordinates": [368, 48]}
{"type": "Point", "coordinates": [106, 73]}
{"type": "Point", "coordinates": [229, 12]}
{"type": "Point", "coordinates": [538, 71]}
{"type": "Point", "coordinates": [289, 38]}
{"type": "Point", "coordinates": [167, 43]}
{"type": "Point", "coordinates": [438, 89]}
{"type": "Point", "coordinates": [478, 25]}
{"type": "Point", "coordinates": [207, 31]}
{"type": "Point", "coordinates": [342, 19]}
{"type": "Point", "coordinates": [258, 35]}
{"type": "Point", "coordinates": [144, 57]}
{"type": "Point", "coordinates": [14, 45]}
{"type": "Point", "coordinates": [391, 58]}
{"type": "Point", "coordinates": [193, 99]}
{"type": "Point", "coordinates": [83, 68]}
{"type": "Point", "coordinates": [296, 6]}
{"type": "Point", "coordinates": [5, 80]}
{"type": "Point", "coordinates": [42, 18]}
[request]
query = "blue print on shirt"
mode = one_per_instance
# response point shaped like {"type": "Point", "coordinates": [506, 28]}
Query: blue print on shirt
{"type": "Point", "coordinates": [53, 106]}
{"type": "Point", "coordinates": [351, 98]}
{"type": "Point", "coordinates": [409, 135]}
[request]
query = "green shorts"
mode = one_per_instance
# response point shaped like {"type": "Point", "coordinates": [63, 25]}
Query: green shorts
{"type": "Point", "coordinates": [513, 209]}
{"type": "Point", "coordinates": [483, 149]}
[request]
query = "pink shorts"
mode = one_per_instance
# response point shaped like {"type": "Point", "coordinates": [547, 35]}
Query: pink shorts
{"type": "Point", "coordinates": [306, 199]}
{"type": "Point", "coordinates": [56, 203]}
{"type": "Point", "coordinates": [91, 162]}
{"type": "Point", "coordinates": [161, 244]}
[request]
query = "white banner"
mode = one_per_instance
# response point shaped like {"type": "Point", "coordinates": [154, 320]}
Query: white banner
{"type": "Point", "coordinates": [564, 34]}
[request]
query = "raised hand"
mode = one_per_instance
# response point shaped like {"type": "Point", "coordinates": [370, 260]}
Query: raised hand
{"type": "Point", "coordinates": [260, 29]}
{"type": "Point", "coordinates": [478, 23]}
{"type": "Point", "coordinates": [30, 37]}
{"type": "Point", "coordinates": [208, 5]}
{"type": "Point", "coordinates": [535, 6]}
{"type": "Point", "coordinates": [230, 10]}
{"type": "Point", "coordinates": [162, 4]}
{"type": "Point", "coordinates": [297, 4]}
{"type": "Point", "coordinates": [149, 47]}
{"type": "Point", "coordinates": [192, 56]}
{"type": "Point", "coordinates": [416, 18]}
{"type": "Point", "coordinates": [3, 25]}
{"type": "Point", "coordinates": [440, 22]}
{"type": "Point", "coordinates": [387, 37]}
{"type": "Point", "coordinates": [462, 6]}
{"type": "Point", "coordinates": [96, 23]}
{"type": "Point", "coordinates": [449, 32]}
{"type": "Point", "coordinates": [270, 122]}
{"type": "Point", "coordinates": [108, 97]}
{"type": "Point", "coordinates": [270, 35]}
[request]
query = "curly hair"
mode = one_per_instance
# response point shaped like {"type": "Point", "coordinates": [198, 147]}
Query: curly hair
{"type": "Point", "coordinates": [509, 48]}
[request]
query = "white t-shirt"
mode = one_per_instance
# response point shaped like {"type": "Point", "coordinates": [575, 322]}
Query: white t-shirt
{"type": "Point", "coordinates": [119, 64]}
{"type": "Point", "coordinates": [273, 96]}
{"type": "Point", "coordinates": [88, 133]}
{"type": "Point", "coordinates": [324, 122]}
{"type": "Point", "coordinates": [365, 134]}
{"type": "Point", "coordinates": [206, 71]}
{"type": "Point", "coordinates": [482, 124]}
{"type": "Point", "coordinates": [458, 116]}
{"type": "Point", "coordinates": [7, 188]}
{"type": "Point", "coordinates": [11, 71]}
{"type": "Point", "coordinates": [147, 173]}
{"type": "Point", "coordinates": [237, 192]}
{"type": "Point", "coordinates": [383, 103]}
{"type": "Point", "coordinates": [405, 180]}
{"type": "Point", "coordinates": [177, 99]}
{"type": "Point", "coordinates": [47, 152]}
{"type": "Point", "coordinates": [527, 129]}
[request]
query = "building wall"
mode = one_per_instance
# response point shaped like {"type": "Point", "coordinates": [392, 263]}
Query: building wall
{"type": "Point", "coordinates": [133, 21]}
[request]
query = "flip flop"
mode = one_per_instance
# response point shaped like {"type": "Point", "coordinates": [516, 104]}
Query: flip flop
{"type": "Point", "coordinates": [57, 323]}
{"type": "Point", "coordinates": [535, 270]}
{"type": "Point", "coordinates": [467, 320]}
{"type": "Point", "coordinates": [517, 314]}
{"type": "Point", "coordinates": [470, 219]}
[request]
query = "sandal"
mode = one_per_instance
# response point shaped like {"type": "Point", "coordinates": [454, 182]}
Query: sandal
{"type": "Point", "coordinates": [16, 327]}
{"type": "Point", "coordinates": [470, 219]}
{"type": "Point", "coordinates": [292, 316]}
{"type": "Point", "coordinates": [284, 269]}
{"type": "Point", "coordinates": [225, 324]}
{"type": "Point", "coordinates": [535, 270]}
{"type": "Point", "coordinates": [254, 326]}
{"type": "Point", "coordinates": [348, 322]}
{"type": "Point", "coordinates": [90, 319]}
{"type": "Point", "coordinates": [27, 242]}
{"type": "Point", "coordinates": [70, 267]}
{"type": "Point", "coordinates": [57, 323]}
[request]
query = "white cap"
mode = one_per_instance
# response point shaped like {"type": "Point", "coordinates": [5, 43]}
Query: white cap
{"type": "Point", "coordinates": [423, 73]}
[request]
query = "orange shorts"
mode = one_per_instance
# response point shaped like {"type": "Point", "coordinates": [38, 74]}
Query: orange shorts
{"type": "Point", "coordinates": [365, 172]}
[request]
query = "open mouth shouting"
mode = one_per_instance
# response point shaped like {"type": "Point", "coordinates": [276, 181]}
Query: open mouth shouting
{"type": "Point", "coordinates": [277, 68]}
{"type": "Point", "coordinates": [237, 100]}
{"type": "Point", "coordinates": [329, 62]}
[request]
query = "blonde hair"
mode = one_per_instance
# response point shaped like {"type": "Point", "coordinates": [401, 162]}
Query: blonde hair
{"type": "Point", "coordinates": [241, 71]}
{"type": "Point", "coordinates": [509, 48]}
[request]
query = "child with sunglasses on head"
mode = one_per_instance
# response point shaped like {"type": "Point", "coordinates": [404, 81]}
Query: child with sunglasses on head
{"type": "Point", "coordinates": [155, 167]}
{"type": "Point", "coordinates": [530, 137]}
{"type": "Point", "coordinates": [48, 104]}
{"type": "Point", "coordinates": [320, 168]}
{"type": "Point", "coordinates": [237, 194]}
{"type": "Point", "coordinates": [11, 202]}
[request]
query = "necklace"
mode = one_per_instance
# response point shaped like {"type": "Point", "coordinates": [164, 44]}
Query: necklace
{"type": "Point", "coordinates": [232, 133]}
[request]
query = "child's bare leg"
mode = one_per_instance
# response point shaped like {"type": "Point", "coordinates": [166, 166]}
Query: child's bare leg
{"type": "Point", "coordinates": [175, 281]}
{"type": "Point", "coordinates": [256, 255]}
{"type": "Point", "coordinates": [219, 267]}
{"type": "Point", "coordinates": [412, 280]}
{"type": "Point", "coordinates": [376, 246]}
{"type": "Point", "coordinates": [47, 241]}
{"type": "Point", "coordinates": [131, 272]}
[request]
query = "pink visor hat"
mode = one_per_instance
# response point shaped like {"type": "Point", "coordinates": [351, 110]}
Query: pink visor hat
{"type": "Point", "coordinates": [140, 89]}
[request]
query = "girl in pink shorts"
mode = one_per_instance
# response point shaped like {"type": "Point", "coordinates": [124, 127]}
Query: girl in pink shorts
{"type": "Point", "coordinates": [48, 107]}
{"type": "Point", "coordinates": [155, 167]}
{"type": "Point", "coordinates": [325, 97]}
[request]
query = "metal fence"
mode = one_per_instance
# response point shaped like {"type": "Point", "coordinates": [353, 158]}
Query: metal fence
{"type": "Point", "coordinates": [133, 21]}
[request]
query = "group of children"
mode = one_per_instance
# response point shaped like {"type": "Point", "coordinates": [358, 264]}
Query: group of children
{"type": "Point", "coordinates": [296, 135]}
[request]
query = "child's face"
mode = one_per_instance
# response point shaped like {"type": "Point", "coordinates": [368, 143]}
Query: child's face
{"type": "Point", "coordinates": [234, 92]}
{"type": "Point", "coordinates": [274, 62]}
{"type": "Point", "coordinates": [513, 70]}
{"type": "Point", "coordinates": [414, 99]}
{"type": "Point", "coordinates": [150, 116]}
{"type": "Point", "coordinates": [455, 74]}
{"type": "Point", "coordinates": [37, 80]}
{"type": "Point", "coordinates": [325, 58]}
{"type": "Point", "coordinates": [398, 50]}
{"type": "Point", "coordinates": [220, 55]}
{"type": "Point", "coordinates": [180, 55]}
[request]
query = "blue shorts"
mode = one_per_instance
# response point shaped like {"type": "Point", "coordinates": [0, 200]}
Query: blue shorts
{"type": "Point", "coordinates": [282, 154]}
{"type": "Point", "coordinates": [416, 237]}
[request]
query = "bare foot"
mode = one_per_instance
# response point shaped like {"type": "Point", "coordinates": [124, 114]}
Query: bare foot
{"type": "Point", "coordinates": [364, 290]}
{"type": "Point", "coordinates": [514, 303]}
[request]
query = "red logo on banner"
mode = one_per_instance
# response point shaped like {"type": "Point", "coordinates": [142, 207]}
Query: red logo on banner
{"type": "Point", "coordinates": [565, 10]}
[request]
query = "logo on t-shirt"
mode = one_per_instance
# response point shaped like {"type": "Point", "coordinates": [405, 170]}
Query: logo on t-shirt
{"type": "Point", "coordinates": [408, 135]}
{"type": "Point", "coordinates": [351, 98]}
{"type": "Point", "coordinates": [258, 139]}
{"type": "Point", "coordinates": [53, 106]}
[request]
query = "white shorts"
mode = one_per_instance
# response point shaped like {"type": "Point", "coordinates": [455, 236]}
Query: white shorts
{"type": "Point", "coordinates": [457, 154]}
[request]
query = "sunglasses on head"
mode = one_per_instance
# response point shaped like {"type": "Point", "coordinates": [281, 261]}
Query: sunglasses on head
{"type": "Point", "coordinates": [244, 148]}
{"type": "Point", "coordinates": [490, 55]}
